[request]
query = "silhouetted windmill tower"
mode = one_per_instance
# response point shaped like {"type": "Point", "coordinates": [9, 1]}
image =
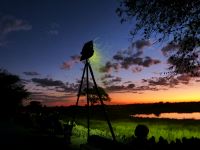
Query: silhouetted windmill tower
{"type": "Point", "coordinates": [86, 53]}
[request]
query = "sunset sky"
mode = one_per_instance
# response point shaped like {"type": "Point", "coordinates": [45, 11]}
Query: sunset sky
{"type": "Point", "coordinates": [41, 41]}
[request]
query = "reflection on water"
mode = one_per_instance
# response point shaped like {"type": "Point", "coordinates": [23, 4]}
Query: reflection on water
{"type": "Point", "coordinates": [195, 116]}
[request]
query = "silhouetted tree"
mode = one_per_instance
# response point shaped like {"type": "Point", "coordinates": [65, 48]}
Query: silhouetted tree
{"type": "Point", "coordinates": [93, 95]}
{"type": "Point", "coordinates": [35, 106]}
{"type": "Point", "coordinates": [12, 93]}
{"type": "Point", "coordinates": [176, 21]}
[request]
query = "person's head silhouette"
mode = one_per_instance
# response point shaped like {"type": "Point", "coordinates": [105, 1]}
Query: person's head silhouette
{"type": "Point", "coordinates": [141, 131]}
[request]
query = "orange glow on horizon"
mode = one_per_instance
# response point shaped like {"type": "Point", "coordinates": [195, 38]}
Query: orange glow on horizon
{"type": "Point", "coordinates": [184, 93]}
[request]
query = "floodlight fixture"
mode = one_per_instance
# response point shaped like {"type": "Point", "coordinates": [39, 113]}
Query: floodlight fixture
{"type": "Point", "coordinates": [87, 51]}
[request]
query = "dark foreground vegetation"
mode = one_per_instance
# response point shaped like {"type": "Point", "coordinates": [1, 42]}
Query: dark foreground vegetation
{"type": "Point", "coordinates": [140, 142]}
{"type": "Point", "coordinates": [44, 127]}
{"type": "Point", "coordinates": [123, 111]}
{"type": "Point", "coordinates": [47, 130]}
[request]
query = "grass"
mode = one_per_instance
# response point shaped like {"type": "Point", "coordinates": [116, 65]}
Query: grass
{"type": "Point", "coordinates": [124, 129]}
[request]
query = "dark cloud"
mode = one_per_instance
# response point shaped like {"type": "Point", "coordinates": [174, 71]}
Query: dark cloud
{"type": "Point", "coordinates": [163, 81]}
{"type": "Point", "coordinates": [166, 82]}
{"type": "Point", "coordinates": [115, 85]}
{"type": "Point", "coordinates": [173, 82]}
{"type": "Point", "coordinates": [106, 76]}
{"type": "Point", "coordinates": [117, 79]}
{"type": "Point", "coordinates": [46, 99]}
{"type": "Point", "coordinates": [144, 80]}
{"type": "Point", "coordinates": [31, 73]}
{"type": "Point", "coordinates": [119, 56]}
{"type": "Point", "coordinates": [137, 54]}
{"type": "Point", "coordinates": [68, 64]}
{"type": "Point", "coordinates": [146, 88]}
{"type": "Point", "coordinates": [148, 61]}
{"type": "Point", "coordinates": [56, 85]}
{"type": "Point", "coordinates": [136, 69]}
{"type": "Point", "coordinates": [127, 62]}
{"type": "Point", "coordinates": [138, 61]}
{"type": "Point", "coordinates": [136, 64]}
{"type": "Point", "coordinates": [184, 78]}
{"type": "Point", "coordinates": [84, 84]}
{"type": "Point", "coordinates": [48, 82]}
{"type": "Point", "coordinates": [130, 88]}
{"type": "Point", "coordinates": [68, 88]}
{"type": "Point", "coordinates": [10, 24]}
{"type": "Point", "coordinates": [25, 81]}
{"type": "Point", "coordinates": [108, 79]}
{"type": "Point", "coordinates": [134, 50]}
{"type": "Point", "coordinates": [130, 57]}
{"type": "Point", "coordinates": [76, 58]}
{"type": "Point", "coordinates": [105, 82]}
{"type": "Point", "coordinates": [109, 67]}
{"type": "Point", "coordinates": [170, 81]}
{"type": "Point", "coordinates": [140, 44]}
{"type": "Point", "coordinates": [127, 82]}
{"type": "Point", "coordinates": [115, 88]}
{"type": "Point", "coordinates": [169, 48]}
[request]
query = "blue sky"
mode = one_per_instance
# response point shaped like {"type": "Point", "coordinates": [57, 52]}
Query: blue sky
{"type": "Point", "coordinates": [38, 37]}
{"type": "Point", "coordinates": [58, 30]}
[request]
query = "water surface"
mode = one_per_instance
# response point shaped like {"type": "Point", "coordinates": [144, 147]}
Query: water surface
{"type": "Point", "coordinates": [194, 115]}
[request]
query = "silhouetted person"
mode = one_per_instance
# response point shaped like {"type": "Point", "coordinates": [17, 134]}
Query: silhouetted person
{"type": "Point", "coordinates": [141, 132]}
{"type": "Point", "coordinates": [162, 143]}
{"type": "Point", "coordinates": [152, 143]}
{"type": "Point", "coordinates": [68, 132]}
{"type": "Point", "coordinates": [140, 142]}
